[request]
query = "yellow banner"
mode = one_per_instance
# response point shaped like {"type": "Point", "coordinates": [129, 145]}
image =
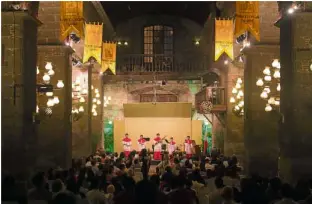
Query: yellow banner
{"type": "Point", "coordinates": [223, 38]}
{"type": "Point", "coordinates": [71, 19]}
{"type": "Point", "coordinates": [93, 42]}
{"type": "Point", "coordinates": [247, 18]}
{"type": "Point", "coordinates": [109, 57]}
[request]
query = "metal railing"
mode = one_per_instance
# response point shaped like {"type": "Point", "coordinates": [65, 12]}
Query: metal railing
{"type": "Point", "coordinates": [143, 63]}
{"type": "Point", "coordinates": [215, 95]}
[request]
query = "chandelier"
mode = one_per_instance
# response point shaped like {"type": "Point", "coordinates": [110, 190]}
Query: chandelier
{"type": "Point", "coordinates": [237, 98]}
{"type": "Point", "coordinates": [270, 85]}
{"type": "Point", "coordinates": [79, 94]}
{"type": "Point", "coordinates": [46, 88]}
{"type": "Point", "coordinates": [96, 101]}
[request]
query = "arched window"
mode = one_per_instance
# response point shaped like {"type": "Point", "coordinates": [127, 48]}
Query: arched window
{"type": "Point", "coordinates": [158, 40]}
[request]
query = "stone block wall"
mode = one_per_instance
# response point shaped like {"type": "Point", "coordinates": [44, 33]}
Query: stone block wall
{"type": "Point", "coordinates": [54, 133]}
{"type": "Point", "coordinates": [18, 87]}
{"type": "Point", "coordinates": [121, 93]}
{"type": "Point", "coordinates": [296, 96]}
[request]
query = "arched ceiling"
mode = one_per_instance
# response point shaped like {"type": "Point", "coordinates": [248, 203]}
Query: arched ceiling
{"type": "Point", "coordinates": [121, 11]}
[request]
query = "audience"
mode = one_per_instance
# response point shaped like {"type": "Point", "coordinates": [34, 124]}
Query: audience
{"type": "Point", "coordinates": [106, 178]}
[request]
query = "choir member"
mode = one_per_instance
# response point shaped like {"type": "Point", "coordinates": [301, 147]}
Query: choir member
{"type": "Point", "coordinates": [141, 143]}
{"type": "Point", "coordinates": [171, 146]}
{"type": "Point", "coordinates": [157, 147]}
{"type": "Point", "coordinates": [126, 144]}
{"type": "Point", "coordinates": [188, 147]}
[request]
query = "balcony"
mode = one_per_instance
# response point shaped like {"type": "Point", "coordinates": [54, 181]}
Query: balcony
{"type": "Point", "coordinates": [145, 64]}
{"type": "Point", "coordinates": [210, 99]}
{"type": "Point", "coordinates": [142, 67]}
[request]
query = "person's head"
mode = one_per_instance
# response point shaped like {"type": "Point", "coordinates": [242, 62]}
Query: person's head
{"type": "Point", "coordinates": [168, 169]}
{"type": "Point", "coordinates": [171, 139]}
{"type": "Point", "coordinates": [158, 135]}
{"type": "Point", "coordinates": [141, 136]}
{"type": "Point", "coordinates": [110, 189]}
{"type": "Point", "coordinates": [39, 180]}
{"type": "Point", "coordinates": [146, 192]}
{"type": "Point", "coordinates": [219, 183]}
{"type": "Point", "coordinates": [126, 135]}
{"type": "Point", "coordinates": [94, 184]}
{"type": "Point", "coordinates": [227, 193]}
{"type": "Point", "coordinates": [64, 198]}
{"type": "Point", "coordinates": [275, 184]}
{"type": "Point", "coordinates": [188, 137]}
{"type": "Point", "coordinates": [136, 161]}
{"type": "Point", "coordinates": [287, 191]}
{"type": "Point", "coordinates": [57, 186]}
{"type": "Point", "coordinates": [116, 154]}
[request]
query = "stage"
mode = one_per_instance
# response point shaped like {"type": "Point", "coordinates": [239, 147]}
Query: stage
{"type": "Point", "coordinates": [168, 119]}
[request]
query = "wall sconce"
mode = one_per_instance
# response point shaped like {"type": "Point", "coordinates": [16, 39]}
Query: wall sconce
{"type": "Point", "coordinates": [270, 94]}
{"type": "Point", "coordinates": [238, 98]}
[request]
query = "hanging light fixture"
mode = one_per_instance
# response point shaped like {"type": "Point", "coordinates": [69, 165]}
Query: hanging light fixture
{"type": "Point", "coordinates": [94, 106]}
{"type": "Point", "coordinates": [234, 90]}
{"type": "Point", "coordinates": [267, 71]}
{"type": "Point", "coordinates": [268, 108]}
{"type": "Point", "coordinates": [278, 87]}
{"type": "Point", "coordinates": [96, 91]}
{"type": "Point", "coordinates": [56, 100]}
{"type": "Point", "coordinates": [51, 72]}
{"type": "Point", "coordinates": [94, 113]}
{"type": "Point", "coordinates": [48, 66]}
{"type": "Point", "coordinates": [60, 84]}
{"type": "Point", "coordinates": [259, 82]}
{"type": "Point", "coordinates": [50, 102]}
{"type": "Point", "coordinates": [84, 91]}
{"type": "Point", "coordinates": [49, 93]}
{"type": "Point", "coordinates": [98, 102]}
{"type": "Point", "coordinates": [239, 80]}
{"type": "Point", "coordinates": [109, 98]}
{"type": "Point", "coordinates": [264, 94]}
{"type": "Point", "coordinates": [277, 74]}
{"type": "Point", "coordinates": [267, 78]}
{"type": "Point", "coordinates": [275, 63]}
{"type": "Point", "coordinates": [94, 100]}
{"type": "Point", "coordinates": [232, 100]}
{"type": "Point", "coordinates": [97, 95]}
{"type": "Point", "coordinates": [81, 109]}
{"type": "Point", "coordinates": [238, 86]}
{"type": "Point", "coordinates": [46, 78]}
{"type": "Point", "coordinates": [77, 81]}
{"type": "Point", "coordinates": [82, 100]}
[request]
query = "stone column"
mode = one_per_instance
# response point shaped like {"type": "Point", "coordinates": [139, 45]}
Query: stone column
{"type": "Point", "coordinates": [18, 87]}
{"type": "Point", "coordinates": [260, 127]}
{"type": "Point", "coordinates": [54, 133]}
{"type": "Point", "coordinates": [97, 123]}
{"type": "Point", "coordinates": [296, 95]}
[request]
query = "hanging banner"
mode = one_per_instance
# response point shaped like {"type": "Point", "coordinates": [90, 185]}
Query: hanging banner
{"type": "Point", "coordinates": [93, 42]}
{"type": "Point", "coordinates": [71, 19]}
{"type": "Point", "coordinates": [223, 38]}
{"type": "Point", "coordinates": [109, 57]}
{"type": "Point", "coordinates": [247, 18]}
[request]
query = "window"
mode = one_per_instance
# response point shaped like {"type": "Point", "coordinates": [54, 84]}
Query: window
{"type": "Point", "coordinates": [158, 40]}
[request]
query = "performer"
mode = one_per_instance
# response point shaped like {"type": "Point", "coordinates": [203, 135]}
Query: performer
{"type": "Point", "coordinates": [172, 146]}
{"type": "Point", "coordinates": [188, 147]}
{"type": "Point", "coordinates": [126, 144]}
{"type": "Point", "coordinates": [141, 143]}
{"type": "Point", "coordinates": [157, 147]}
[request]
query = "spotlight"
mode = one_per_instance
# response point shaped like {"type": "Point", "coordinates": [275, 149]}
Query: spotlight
{"type": "Point", "coordinates": [290, 10]}
{"type": "Point", "coordinates": [74, 38]}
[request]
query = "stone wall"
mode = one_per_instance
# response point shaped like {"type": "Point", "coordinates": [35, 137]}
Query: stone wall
{"type": "Point", "coordinates": [121, 94]}
{"type": "Point", "coordinates": [18, 89]}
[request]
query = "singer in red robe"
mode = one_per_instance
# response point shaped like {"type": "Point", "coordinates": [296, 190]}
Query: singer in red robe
{"type": "Point", "coordinates": [188, 147]}
{"type": "Point", "coordinates": [141, 143]}
{"type": "Point", "coordinates": [157, 147]}
{"type": "Point", "coordinates": [126, 144]}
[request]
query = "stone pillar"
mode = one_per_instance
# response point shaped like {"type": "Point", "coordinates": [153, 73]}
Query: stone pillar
{"type": "Point", "coordinates": [18, 87]}
{"type": "Point", "coordinates": [234, 137]}
{"type": "Point", "coordinates": [260, 127]}
{"type": "Point", "coordinates": [97, 123]}
{"type": "Point", "coordinates": [54, 133]}
{"type": "Point", "coordinates": [296, 95]}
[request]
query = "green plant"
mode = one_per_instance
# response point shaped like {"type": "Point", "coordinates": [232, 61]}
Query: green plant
{"type": "Point", "coordinates": [108, 137]}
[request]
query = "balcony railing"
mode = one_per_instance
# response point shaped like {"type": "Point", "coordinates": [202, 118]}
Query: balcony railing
{"type": "Point", "coordinates": [141, 63]}
{"type": "Point", "coordinates": [213, 95]}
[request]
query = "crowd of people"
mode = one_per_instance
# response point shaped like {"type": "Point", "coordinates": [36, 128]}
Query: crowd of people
{"type": "Point", "coordinates": [110, 178]}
